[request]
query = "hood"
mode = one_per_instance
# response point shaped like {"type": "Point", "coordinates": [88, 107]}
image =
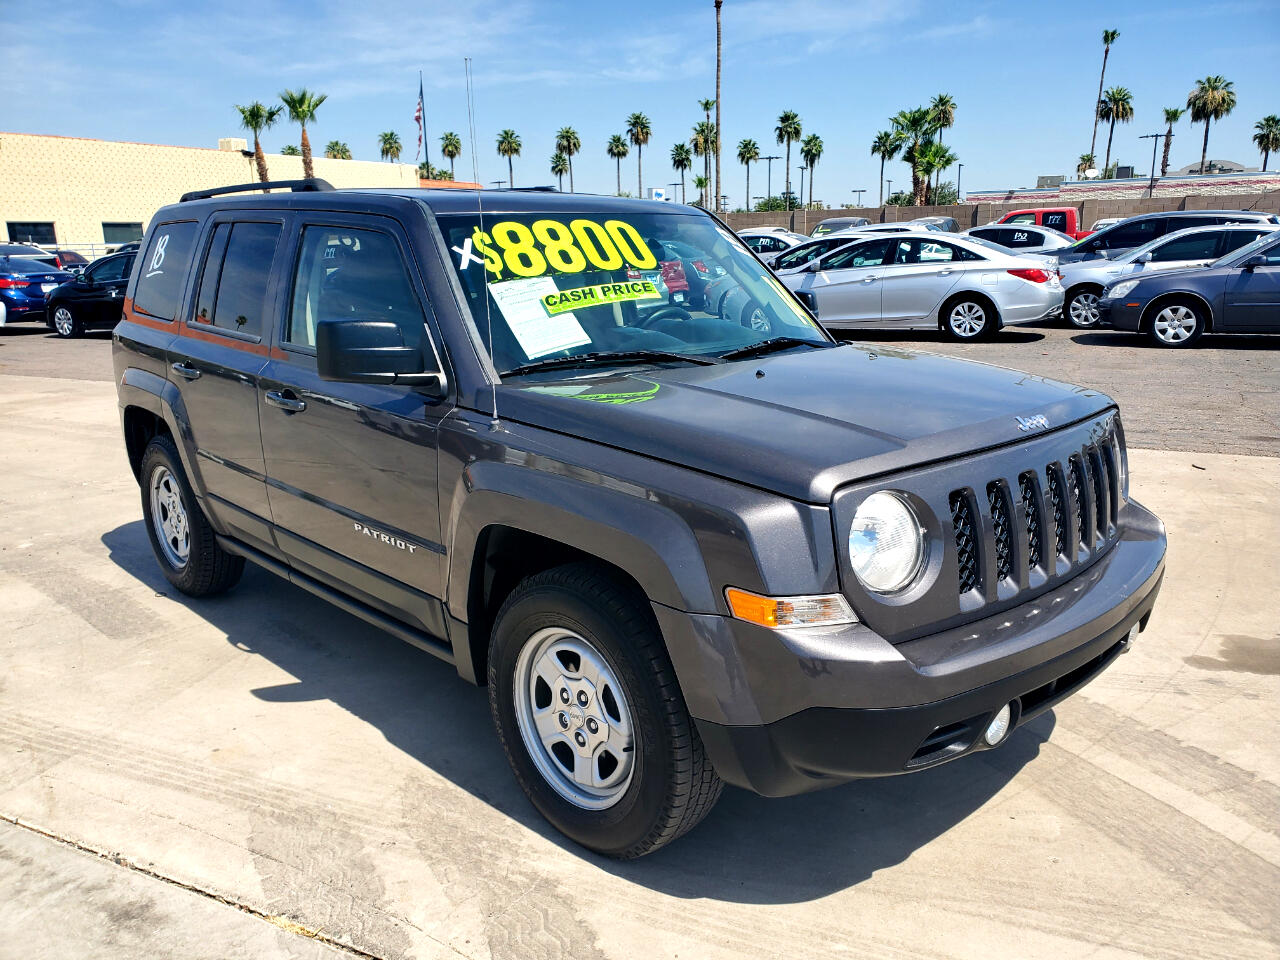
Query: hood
{"type": "Point", "coordinates": [803, 423]}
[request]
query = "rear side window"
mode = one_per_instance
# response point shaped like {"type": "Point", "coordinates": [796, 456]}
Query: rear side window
{"type": "Point", "coordinates": [869, 254]}
{"type": "Point", "coordinates": [163, 272]}
{"type": "Point", "coordinates": [1056, 220]}
{"type": "Point", "coordinates": [1235, 239]}
{"type": "Point", "coordinates": [346, 272]}
{"type": "Point", "coordinates": [1133, 234]}
{"type": "Point", "coordinates": [237, 270]}
{"type": "Point", "coordinates": [114, 269]}
{"type": "Point", "coordinates": [1022, 238]}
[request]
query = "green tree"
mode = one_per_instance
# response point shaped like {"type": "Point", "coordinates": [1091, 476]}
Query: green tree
{"type": "Point", "coordinates": [450, 148]}
{"type": "Point", "coordinates": [509, 147]}
{"type": "Point", "coordinates": [901, 199]}
{"type": "Point", "coordinates": [945, 194]}
{"type": "Point", "coordinates": [559, 167]}
{"type": "Point", "coordinates": [1267, 137]}
{"type": "Point", "coordinates": [302, 107]}
{"type": "Point", "coordinates": [1171, 116]}
{"type": "Point", "coordinates": [256, 118]}
{"type": "Point", "coordinates": [568, 144]}
{"type": "Point", "coordinates": [914, 129]}
{"type": "Point", "coordinates": [681, 160]}
{"type": "Point", "coordinates": [1116, 106]}
{"type": "Point", "coordinates": [639, 131]}
{"type": "Point", "coordinates": [1108, 38]}
{"type": "Point", "coordinates": [702, 183]}
{"type": "Point", "coordinates": [935, 157]}
{"type": "Point", "coordinates": [1212, 99]}
{"type": "Point", "coordinates": [709, 137]}
{"type": "Point", "coordinates": [428, 171]}
{"type": "Point", "coordinates": [703, 143]}
{"type": "Point", "coordinates": [337, 150]}
{"type": "Point", "coordinates": [787, 130]}
{"type": "Point", "coordinates": [748, 153]}
{"type": "Point", "coordinates": [885, 146]}
{"type": "Point", "coordinates": [617, 149]}
{"type": "Point", "coordinates": [811, 153]}
{"type": "Point", "coordinates": [389, 146]}
{"type": "Point", "coordinates": [289, 150]}
{"type": "Point", "coordinates": [1086, 162]}
{"type": "Point", "coordinates": [943, 109]}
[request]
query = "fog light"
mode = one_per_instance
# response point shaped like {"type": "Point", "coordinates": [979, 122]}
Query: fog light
{"type": "Point", "coordinates": [998, 728]}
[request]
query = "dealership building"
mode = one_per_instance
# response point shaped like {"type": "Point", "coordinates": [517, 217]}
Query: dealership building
{"type": "Point", "coordinates": [84, 194]}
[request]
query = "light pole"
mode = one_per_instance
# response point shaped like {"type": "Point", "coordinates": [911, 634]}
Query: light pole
{"type": "Point", "coordinates": [803, 168]}
{"type": "Point", "coordinates": [859, 191]}
{"type": "Point", "coordinates": [1155, 142]}
{"type": "Point", "coordinates": [890, 190]}
{"type": "Point", "coordinates": [959, 173]}
{"type": "Point", "coordinates": [768, 183]}
{"type": "Point", "coordinates": [673, 191]}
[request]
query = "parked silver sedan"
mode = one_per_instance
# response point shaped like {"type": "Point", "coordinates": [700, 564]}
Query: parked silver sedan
{"type": "Point", "coordinates": [1084, 280]}
{"type": "Point", "coordinates": [923, 280]}
{"type": "Point", "coordinates": [1022, 238]}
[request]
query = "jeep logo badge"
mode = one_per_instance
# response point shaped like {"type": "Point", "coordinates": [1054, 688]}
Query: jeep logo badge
{"type": "Point", "coordinates": [1038, 422]}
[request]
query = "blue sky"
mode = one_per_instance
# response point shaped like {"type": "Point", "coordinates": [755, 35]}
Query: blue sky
{"type": "Point", "coordinates": [1024, 76]}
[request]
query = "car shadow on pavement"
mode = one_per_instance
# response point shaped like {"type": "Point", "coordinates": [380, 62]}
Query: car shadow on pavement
{"type": "Point", "coordinates": [1007, 335]}
{"type": "Point", "coordinates": [749, 850]}
{"type": "Point", "coordinates": [1235, 341]}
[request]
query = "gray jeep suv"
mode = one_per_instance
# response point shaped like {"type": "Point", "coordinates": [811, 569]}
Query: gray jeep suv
{"type": "Point", "coordinates": [678, 549]}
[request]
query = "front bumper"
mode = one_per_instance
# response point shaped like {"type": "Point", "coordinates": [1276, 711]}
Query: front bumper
{"type": "Point", "coordinates": [785, 712]}
{"type": "Point", "coordinates": [1124, 313]}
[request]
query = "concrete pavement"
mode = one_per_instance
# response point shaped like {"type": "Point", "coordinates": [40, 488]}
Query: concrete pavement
{"type": "Point", "coordinates": [263, 755]}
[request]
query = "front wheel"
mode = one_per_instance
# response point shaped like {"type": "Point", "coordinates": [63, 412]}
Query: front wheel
{"type": "Point", "coordinates": [589, 713]}
{"type": "Point", "coordinates": [967, 318]}
{"type": "Point", "coordinates": [1082, 309]}
{"type": "Point", "coordinates": [1177, 325]}
{"type": "Point", "coordinates": [65, 323]}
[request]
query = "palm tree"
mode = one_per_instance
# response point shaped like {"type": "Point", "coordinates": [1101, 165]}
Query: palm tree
{"type": "Point", "coordinates": [934, 157]}
{"type": "Point", "coordinates": [1086, 162]}
{"type": "Point", "coordinates": [703, 143]}
{"type": "Point", "coordinates": [709, 138]}
{"type": "Point", "coordinates": [450, 147]}
{"type": "Point", "coordinates": [302, 107]}
{"type": "Point", "coordinates": [639, 132]}
{"type": "Point", "coordinates": [509, 146]}
{"type": "Point", "coordinates": [337, 150]}
{"type": "Point", "coordinates": [1212, 99]}
{"type": "Point", "coordinates": [885, 146]}
{"type": "Point", "coordinates": [914, 129]}
{"type": "Point", "coordinates": [617, 149]}
{"type": "Point", "coordinates": [943, 108]}
{"type": "Point", "coordinates": [559, 167]}
{"type": "Point", "coordinates": [257, 117]}
{"type": "Point", "coordinates": [811, 152]}
{"type": "Point", "coordinates": [702, 183]}
{"type": "Point", "coordinates": [719, 61]}
{"type": "Point", "coordinates": [1115, 106]}
{"type": "Point", "coordinates": [1267, 137]}
{"type": "Point", "coordinates": [788, 129]}
{"type": "Point", "coordinates": [567, 143]}
{"type": "Point", "coordinates": [1171, 116]}
{"type": "Point", "coordinates": [289, 150]}
{"type": "Point", "coordinates": [682, 160]}
{"type": "Point", "coordinates": [1108, 38]}
{"type": "Point", "coordinates": [748, 152]}
{"type": "Point", "coordinates": [389, 146]}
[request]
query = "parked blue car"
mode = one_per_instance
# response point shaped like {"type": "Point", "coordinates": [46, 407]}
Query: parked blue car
{"type": "Point", "coordinates": [23, 284]}
{"type": "Point", "coordinates": [1239, 293]}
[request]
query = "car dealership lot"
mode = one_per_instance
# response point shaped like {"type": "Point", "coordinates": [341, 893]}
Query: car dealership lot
{"type": "Point", "coordinates": [269, 750]}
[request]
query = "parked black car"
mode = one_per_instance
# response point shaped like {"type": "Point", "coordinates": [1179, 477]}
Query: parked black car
{"type": "Point", "coordinates": [1238, 294]}
{"type": "Point", "coordinates": [23, 285]}
{"type": "Point", "coordinates": [90, 300]}
{"type": "Point", "coordinates": [837, 223]}
{"type": "Point", "coordinates": [679, 550]}
{"type": "Point", "coordinates": [1136, 231]}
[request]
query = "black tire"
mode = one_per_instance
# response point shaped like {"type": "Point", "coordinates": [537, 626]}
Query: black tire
{"type": "Point", "coordinates": [754, 318]}
{"type": "Point", "coordinates": [959, 315]}
{"type": "Point", "coordinates": [1176, 324]}
{"type": "Point", "coordinates": [672, 785]}
{"type": "Point", "coordinates": [67, 328]}
{"type": "Point", "coordinates": [1077, 309]}
{"type": "Point", "coordinates": [208, 569]}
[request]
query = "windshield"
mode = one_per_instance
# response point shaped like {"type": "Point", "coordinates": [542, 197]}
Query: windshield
{"type": "Point", "coordinates": [1240, 254]}
{"type": "Point", "coordinates": [551, 286]}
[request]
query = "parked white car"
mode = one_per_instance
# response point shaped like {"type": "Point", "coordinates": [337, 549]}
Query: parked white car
{"type": "Point", "coordinates": [1084, 280]}
{"type": "Point", "coordinates": [1021, 238]}
{"type": "Point", "coordinates": [924, 281]}
{"type": "Point", "coordinates": [770, 242]}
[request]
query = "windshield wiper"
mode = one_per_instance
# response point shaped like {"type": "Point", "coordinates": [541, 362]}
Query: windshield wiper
{"type": "Point", "coordinates": [605, 358]}
{"type": "Point", "coordinates": [771, 345]}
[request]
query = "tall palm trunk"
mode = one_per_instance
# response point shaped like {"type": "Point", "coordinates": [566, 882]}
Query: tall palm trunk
{"type": "Point", "coordinates": [260, 159]}
{"type": "Point", "coordinates": [511, 174]}
{"type": "Point", "coordinates": [811, 175]}
{"type": "Point", "coordinates": [1265, 155]}
{"type": "Point", "coordinates": [786, 202]}
{"type": "Point", "coordinates": [1164, 162]}
{"type": "Point", "coordinates": [1204, 150]}
{"type": "Point", "coordinates": [1106, 164]}
{"type": "Point", "coordinates": [682, 185]}
{"type": "Point", "coordinates": [639, 173]}
{"type": "Point", "coordinates": [570, 176]}
{"type": "Point", "coordinates": [748, 166]}
{"type": "Point", "coordinates": [719, 60]}
{"type": "Point", "coordinates": [1106, 52]}
{"type": "Point", "coordinates": [618, 161]}
{"type": "Point", "coordinates": [451, 176]}
{"type": "Point", "coordinates": [307, 170]}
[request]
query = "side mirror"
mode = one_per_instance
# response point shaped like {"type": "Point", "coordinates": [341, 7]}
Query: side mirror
{"type": "Point", "coordinates": [372, 351]}
{"type": "Point", "coordinates": [83, 279]}
{"type": "Point", "coordinates": [1257, 260]}
{"type": "Point", "coordinates": [813, 266]}
{"type": "Point", "coordinates": [1145, 258]}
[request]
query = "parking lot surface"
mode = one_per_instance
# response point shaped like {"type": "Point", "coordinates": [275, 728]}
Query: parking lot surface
{"type": "Point", "coordinates": [261, 774]}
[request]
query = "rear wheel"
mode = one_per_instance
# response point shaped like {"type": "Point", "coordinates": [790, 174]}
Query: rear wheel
{"type": "Point", "coordinates": [65, 323]}
{"type": "Point", "coordinates": [968, 318]}
{"type": "Point", "coordinates": [1081, 308]}
{"type": "Point", "coordinates": [1177, 324]}
{"type": "Point", "coordinates": [588, 710]}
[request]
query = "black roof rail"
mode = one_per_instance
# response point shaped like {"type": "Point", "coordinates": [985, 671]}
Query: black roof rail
{"type": "Point", "coordinates": [297, 186]}
{"type": "Point", "coordinates": [549, 188]}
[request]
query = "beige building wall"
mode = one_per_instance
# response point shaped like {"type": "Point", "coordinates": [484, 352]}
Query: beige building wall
{"type": "Point", "coordinates": [78, 184]}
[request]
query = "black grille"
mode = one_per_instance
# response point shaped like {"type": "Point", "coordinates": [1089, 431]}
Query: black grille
{"type": "Point", "coordinates": [1077, 497]}
{"type": "Point", "coordinates": [1002, 527]}
{"type": "Point", "coordinates": [1100, 484]}
{"type": "Point", "coordinates": [1027, 491]}
{"type": "Point", "coordinates": [966, 541]}
{"type": "Point", "coordinates": [1058, 508]}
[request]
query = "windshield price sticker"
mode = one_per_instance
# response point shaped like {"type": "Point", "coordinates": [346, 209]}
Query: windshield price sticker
{"type": "Point", "coordinates": [601, 293]}
{"type": "Point", "coordinates": [538, 335]}
{"type": "Point", "coordinates": [511, 248]}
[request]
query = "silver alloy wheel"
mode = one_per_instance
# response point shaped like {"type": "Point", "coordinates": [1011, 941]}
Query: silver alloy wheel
{"type": "Point", "coordinates": [967, 319]}
{"type": "Point", "coordinates": [1084, 310]}
{"type": "Point", "coordinates": [169, 518]}
{"type": "Point", "coordinates": [574, 718]}
{"type": "Point", "coordinates": [63, 322]}
{"type": "Point", "coordinates": [1174, 324]}
{"type": "Point", "coordinates": [759, 321]}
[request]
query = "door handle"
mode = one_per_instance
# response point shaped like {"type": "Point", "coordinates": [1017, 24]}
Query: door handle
{"type": "Point", "coordinates": [292, 404]}
{"type": "Point", "coordinates": [183, 370]}
{"type": "Point", "coordinates": [869, 279]}
{"type": "Point", "coordinates": [945, 272]}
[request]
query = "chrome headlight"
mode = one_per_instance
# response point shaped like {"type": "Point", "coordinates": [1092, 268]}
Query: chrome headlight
{"type": "Point", "coordinates": [1122, 288]}
{"type": "Point", "coordinates": [886, 543]}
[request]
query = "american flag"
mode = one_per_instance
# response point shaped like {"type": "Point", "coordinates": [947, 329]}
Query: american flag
{"type": "Point", "coordinates": [417, 118]}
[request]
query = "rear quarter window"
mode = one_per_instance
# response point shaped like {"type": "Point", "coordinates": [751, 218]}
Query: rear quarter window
{"type": "Point", "coordinates": [163, 272]}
